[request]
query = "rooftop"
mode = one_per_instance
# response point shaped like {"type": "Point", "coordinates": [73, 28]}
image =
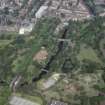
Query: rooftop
{"type": "Point", "coordinates": [55, 102]}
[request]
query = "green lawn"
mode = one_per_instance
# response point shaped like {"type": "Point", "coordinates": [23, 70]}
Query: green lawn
{"type": "Point", "coordinates": [34, 98]}
{"type": "Point", "coordinates": [89, 54]}
{"type": "Point", "coordinates": [4, 42]}
{"type": "Point", "coordinates": [4, 95]}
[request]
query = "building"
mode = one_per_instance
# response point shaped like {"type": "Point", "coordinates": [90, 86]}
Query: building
{"type": "Point", "coordinates": [26, 29]}
{"type": "Point", "coordinates": [51, 81]}
{"type": "Point", "coordinates": [56, 102]}
{"type": "Point", "coordinates": [41, 11]}
{"type": "Point", "coordinates": [68, 10]}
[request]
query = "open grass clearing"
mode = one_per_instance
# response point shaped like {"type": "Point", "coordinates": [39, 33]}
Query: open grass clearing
{"type": "Point", "coordinates": [89, 54]}
{"type": "Point", "coordinates": [4, 42]}
{"type": "Point", "coordinates": [33, 98]}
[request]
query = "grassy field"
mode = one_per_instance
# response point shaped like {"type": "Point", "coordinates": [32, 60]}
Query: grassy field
{"type": "Point", "coordinates": [89, 54]}
{"type": "Point", "coordinates": [34, 98]}
{"type": "Point", "coordinates": [4, 95]}
{"type": "Point", "coordinates": [4, 42]}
